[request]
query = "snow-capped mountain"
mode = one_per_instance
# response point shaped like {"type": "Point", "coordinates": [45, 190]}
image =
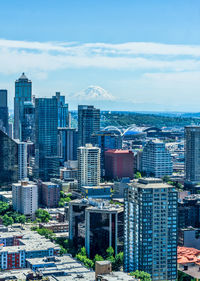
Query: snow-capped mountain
{"type": "Point", "coordinates": [94, 93]}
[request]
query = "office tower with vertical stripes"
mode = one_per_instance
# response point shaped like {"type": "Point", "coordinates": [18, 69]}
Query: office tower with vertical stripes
{"type": "Point", "coordinates": [46, 147]}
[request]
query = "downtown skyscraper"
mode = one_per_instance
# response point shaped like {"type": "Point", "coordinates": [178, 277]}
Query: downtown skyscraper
{"type": "Point", "coordinates": [46, 132]}
{"type": "Point", "coordinates": [150, 228]}
{"type": "Point", "coordinates": [192, 154]}
{"type": "Point", "coordinates": [88, 124]}
{"type": "Point", "coordinates": [23, 93]}
{"type": "Point", "coordinates": [63, 114]}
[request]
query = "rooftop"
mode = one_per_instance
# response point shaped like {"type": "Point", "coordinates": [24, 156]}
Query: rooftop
{"type": "Point", "coordinates": [30, 241]}
{"type": "Point", "coordinates": [118, 151]}
{"type": "Point", "coordinates": [188, 255]}
{"type": "Point", "coordinates": [149, 183]}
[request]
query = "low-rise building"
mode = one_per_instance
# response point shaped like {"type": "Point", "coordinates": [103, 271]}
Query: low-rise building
{"type": "Point", "coordinates": [17, 246]}
{"type": "Point", "coordinates": [189, 237]}
{"type": "Point", "coordinates": [103, 191]}
{"type": "Point", "coordinates": [56, 227]}
{"type": "Point", "coordinates": [188, 262]}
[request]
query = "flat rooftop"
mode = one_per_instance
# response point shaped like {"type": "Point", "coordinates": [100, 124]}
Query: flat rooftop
{"type": "Point", "coordinates": [149, 183]}
{"type": "Point", "coordinates": [30, 241]}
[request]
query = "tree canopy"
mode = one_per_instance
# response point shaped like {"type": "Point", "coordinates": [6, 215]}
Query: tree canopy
{"type": "Point", "coordinates": [42, 215]}
{"type": "Point", "coordinates": [143, 276]}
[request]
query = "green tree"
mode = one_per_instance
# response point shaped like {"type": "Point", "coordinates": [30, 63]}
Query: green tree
{"type": "Point", "coordinates": [97, 258]}
{"type": "Point", "coordinates": [63, 201]}
{"type": "Point", "coordinates": [166, 178]}
{"type": "Point", "coordinates": [83, 252]}
{"type": "Point", "coordinates": [62, 194]}
{"type": "Point", "coordinates": [118, 262]}
{"type": "Point", "coordinates": [45, 232]}
{"type": "Point", "coordinates": [43, 215]}
{"type": "Point", "coordinates": [22, 219]}
{"type": "Point", "coordinates": [7, 220]}
{"type": "Point", "coordinates": [143, 276]}
{"type": "Point", "coordinates": [62, 251]}
{"type": "Point", "coordinates": [137, 175]}
{"type": "Point", "coordinates": [4, 207]}
{"type": "Point", "coordinates": [110, 252]}
{"type": "Point", "coordinates": [82, 256]}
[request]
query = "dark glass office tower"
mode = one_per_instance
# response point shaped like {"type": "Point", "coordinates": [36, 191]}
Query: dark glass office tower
{"type": "Point", "coordinates": [88, 124]}
{"type": "Point", "coordinates": [103, 228]}
{"type": "Point", "coordinates": [23, 92]}
{"type": "Point", "coordinates": [8, 160]}
{"type": "Point", "coordinates": [192, 154]}
{"type": "Point", "coordinates": [67, 144]}
{"type": "Point", "coordinates": [3, 111]}
{"type": "Point", "coordinates": [63, 116]}
{"type": "Point", "coordinates": [28, 122]}
{"type": "Point", "coordinates": [46, 129]}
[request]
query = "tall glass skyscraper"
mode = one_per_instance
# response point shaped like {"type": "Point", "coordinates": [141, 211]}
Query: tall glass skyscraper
{"type": "Point", "coordinates": [3, 111]}
{"type": "Point", "coordinates": [63, 118]}
{"type": "Point", "coordinates": [88, 124]}
{"type": "Point", "coordinates": [28, 122]}
{"type": "Point", "coordinates": [23, 92]}
{"type": "Point", "coordinates": [192, 154]}
{"type": "Point", "coordinates": [46, 129]}
{"type": "Point", "coordinates": [150, 229]}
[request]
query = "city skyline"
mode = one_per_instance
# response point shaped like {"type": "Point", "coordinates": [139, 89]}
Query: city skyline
{"type": "Point", "coordinates": [152, 61]}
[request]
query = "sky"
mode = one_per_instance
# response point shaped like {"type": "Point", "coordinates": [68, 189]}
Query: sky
{"type": "Point", "coordinates": [144, 54]}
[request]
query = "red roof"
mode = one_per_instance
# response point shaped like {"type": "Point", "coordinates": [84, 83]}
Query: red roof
{"type": "Point", "coordinates": [188, 255]}
{"type": "Point", "coordinates": [118, 151]}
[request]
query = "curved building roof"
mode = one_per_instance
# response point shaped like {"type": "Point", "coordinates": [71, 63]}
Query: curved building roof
{"type": "Point", "coordinates": [113, 129]}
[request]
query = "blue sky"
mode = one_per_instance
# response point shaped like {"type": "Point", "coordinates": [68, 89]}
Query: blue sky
{"type": "Point", "coordinates": [146, 54]}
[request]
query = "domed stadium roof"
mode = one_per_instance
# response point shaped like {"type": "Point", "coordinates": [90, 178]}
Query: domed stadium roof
{"type": "Point", "coordinates": [113, 129]}
{"type": "Point", "coordinates": [134, 131]}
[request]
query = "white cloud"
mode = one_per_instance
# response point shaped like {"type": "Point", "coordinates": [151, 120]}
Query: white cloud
{"type": "Point", "coordinates": [129, 48]}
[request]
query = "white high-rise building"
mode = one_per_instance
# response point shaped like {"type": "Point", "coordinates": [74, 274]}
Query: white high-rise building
{"type": "Point", "coordinates": [25, 198]}
{"type": "Point", "coordinates": [88, 165]}
{"type": "Point", "coordinates": [156, 159]}
{"type": "Point", "coordinates": [22, 159]}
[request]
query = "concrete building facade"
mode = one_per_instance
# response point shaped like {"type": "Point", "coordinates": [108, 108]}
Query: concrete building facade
{"type": "Point", "coordinates": [156, 159]}
{"type": "Point", "coordinates": [25, 198]}
{"type": "Point", "coordinates": [88, 166]}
